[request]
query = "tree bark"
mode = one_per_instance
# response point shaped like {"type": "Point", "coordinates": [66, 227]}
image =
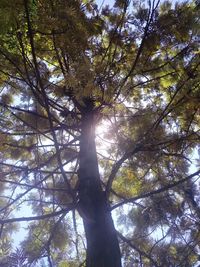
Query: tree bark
{"type": "Point", "coordinates": [102, 243]}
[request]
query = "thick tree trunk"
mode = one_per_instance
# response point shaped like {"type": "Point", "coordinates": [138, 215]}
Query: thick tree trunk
{"type": "Point", "coordinates": [102, 243]}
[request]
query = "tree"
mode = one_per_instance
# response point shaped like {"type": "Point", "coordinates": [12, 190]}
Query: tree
{"type": "Point", "coordinates": [67, 67]}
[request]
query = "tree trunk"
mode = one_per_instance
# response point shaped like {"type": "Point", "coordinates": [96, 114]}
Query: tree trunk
{"type": "Point", "coordinates": [102, 243]}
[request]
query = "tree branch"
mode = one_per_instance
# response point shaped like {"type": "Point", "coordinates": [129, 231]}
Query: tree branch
{"type": "Point", "coordinates": [117, 166]}
{"type": "Point", "coordinates": [40, 217]}
{"type": "Point", "coordinates": [158, 191]}
{"type": "Point", "coordinates": [129, 242]}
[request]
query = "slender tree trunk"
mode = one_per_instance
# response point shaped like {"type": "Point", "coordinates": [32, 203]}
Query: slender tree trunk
{"type": "Point", "coordinates": [102, 243]}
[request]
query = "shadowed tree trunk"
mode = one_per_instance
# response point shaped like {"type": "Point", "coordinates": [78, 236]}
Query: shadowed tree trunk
{"type": "Point", "coordinates": [102, 243]}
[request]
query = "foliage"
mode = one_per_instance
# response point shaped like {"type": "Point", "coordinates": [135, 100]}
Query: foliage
{"type": "Point", "coordinates": [136, 66]}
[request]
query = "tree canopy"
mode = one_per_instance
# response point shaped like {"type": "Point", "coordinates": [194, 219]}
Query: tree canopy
{"type": "Point", "coordinates": [132, 71]}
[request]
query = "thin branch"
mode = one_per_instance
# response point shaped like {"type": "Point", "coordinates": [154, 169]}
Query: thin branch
{"type": "Point", "coordinates": [117, 166]}
{"type": "Point", "coordinates": [129, 242]}
{"type": "Point", "coordinates": [146, 29]}
{"type": "Point", "coordinates": [46, 101]}
{"type": "Point", "coordinates": [33, 186]}
{"type": "Point", "coordinates": [28, 190]}
{"type": "Point", "coordinates": [39, 217]}
{"type": "Point", "coordinates": [158, 191]}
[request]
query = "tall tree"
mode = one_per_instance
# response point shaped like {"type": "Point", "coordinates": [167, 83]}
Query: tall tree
{"type": "Point", "coordinates": [132, 70]}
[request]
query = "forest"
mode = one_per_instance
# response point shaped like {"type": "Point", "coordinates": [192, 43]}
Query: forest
{"type": "Point", "coordinates": [99, 133]}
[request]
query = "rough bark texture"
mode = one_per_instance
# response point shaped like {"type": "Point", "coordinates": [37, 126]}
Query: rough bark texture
{"type": "Point", "coordinates": [102, 243]}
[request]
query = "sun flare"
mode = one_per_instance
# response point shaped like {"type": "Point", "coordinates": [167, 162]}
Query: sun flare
{"type": "Point", "coordinates": [104, 137]}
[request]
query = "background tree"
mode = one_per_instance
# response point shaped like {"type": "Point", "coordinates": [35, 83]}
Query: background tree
{"type": "Point", "coordinates": [133, 69]}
